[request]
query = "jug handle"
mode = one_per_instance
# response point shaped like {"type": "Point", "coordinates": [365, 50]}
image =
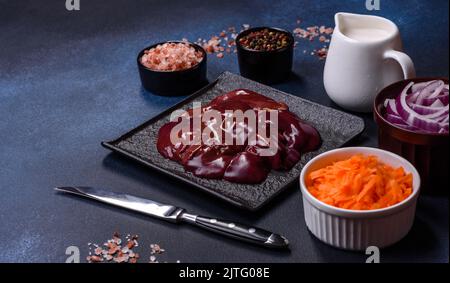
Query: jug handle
{"type": "Point", "coordinates": [405, 62]}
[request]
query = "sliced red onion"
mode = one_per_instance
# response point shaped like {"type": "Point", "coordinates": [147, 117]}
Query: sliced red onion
{"type": "Point", "coordinates": [437, 103]}
{"type": "Point", "coordinates": [412, 98]}
{"type": "Point", "coordinates": [395, 119]}
{"type": "Point", "coordinates": [427, 91]}
{"type": "Point", "coordinates": [442, 98]}
{"type": "Point", "coordinates": [423, 109]}
{"type": "Point", "coordinates": [419, 86]}
{"type": "Point", "coordinates": [438, 90]}
{"type": "Point", "coordinates": [390, 107]}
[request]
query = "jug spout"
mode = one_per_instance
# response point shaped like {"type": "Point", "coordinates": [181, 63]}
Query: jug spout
{"type": "Point", "coordinates": [356, 27]}
{"type": "Point", "coordinates": [338, 18]}
{"type": "Point", "coordinates": [341, 20]}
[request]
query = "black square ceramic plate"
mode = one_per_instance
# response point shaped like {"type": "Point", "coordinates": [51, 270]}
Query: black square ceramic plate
{"type": "Point", "coordinates": [336, 128]}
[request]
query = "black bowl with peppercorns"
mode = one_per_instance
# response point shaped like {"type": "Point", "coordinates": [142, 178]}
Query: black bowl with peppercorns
{"type": "Point", "coordinates": [265, 54]}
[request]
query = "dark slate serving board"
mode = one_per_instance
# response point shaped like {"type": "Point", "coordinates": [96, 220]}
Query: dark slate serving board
{"type": "Point", "coordinates": [335, 127]}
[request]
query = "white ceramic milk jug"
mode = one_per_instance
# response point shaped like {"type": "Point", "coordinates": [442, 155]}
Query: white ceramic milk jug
{"type": "Point", "coordinates": [364, 57]}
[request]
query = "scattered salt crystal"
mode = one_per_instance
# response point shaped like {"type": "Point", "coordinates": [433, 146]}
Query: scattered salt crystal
{"type": "Point", "coordinates": [321, 53]}
{"type": "Point", "coordinates": [115, 252]}
{"type": "Point", "coordinates": [130, 244]}
{"type": "Point", "coordinates": [94, 258]}
{"type": "Point", "coordinates": [322, 38]}
{"type": "Point", "coordinates": [98, 251]}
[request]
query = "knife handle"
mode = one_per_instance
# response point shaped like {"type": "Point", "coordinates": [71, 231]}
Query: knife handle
{"type": "Point", "coordinates": [239, 231]}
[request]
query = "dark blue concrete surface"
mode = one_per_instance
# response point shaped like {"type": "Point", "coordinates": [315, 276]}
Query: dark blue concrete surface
{"type": "Point", "coordinates": [68, 81]}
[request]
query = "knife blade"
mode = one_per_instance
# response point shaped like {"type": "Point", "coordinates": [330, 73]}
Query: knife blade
{"type": "Point", "coordinates": [177, 215]}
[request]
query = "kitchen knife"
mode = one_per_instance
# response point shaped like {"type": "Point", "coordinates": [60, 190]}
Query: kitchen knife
{"type": "Point", "coordinates": [177, 215]}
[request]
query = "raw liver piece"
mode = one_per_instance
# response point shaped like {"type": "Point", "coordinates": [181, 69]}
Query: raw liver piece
{"type": "Point", "coordinates": [241, 162]}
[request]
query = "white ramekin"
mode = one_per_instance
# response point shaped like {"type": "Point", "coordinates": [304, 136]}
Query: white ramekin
{"type": "Point", "coordinates": [357, 229]}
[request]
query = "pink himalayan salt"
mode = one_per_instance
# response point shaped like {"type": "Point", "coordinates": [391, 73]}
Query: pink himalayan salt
{"type": "Point", "coordinates": [171, 56]}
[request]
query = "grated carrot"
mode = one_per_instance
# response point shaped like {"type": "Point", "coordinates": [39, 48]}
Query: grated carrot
{"type": "Point", "coordinates": [360, 183]}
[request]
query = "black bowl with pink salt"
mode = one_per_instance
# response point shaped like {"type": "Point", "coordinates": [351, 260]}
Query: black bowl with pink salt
{"type": "Point", "coordinates": [172, 68]}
